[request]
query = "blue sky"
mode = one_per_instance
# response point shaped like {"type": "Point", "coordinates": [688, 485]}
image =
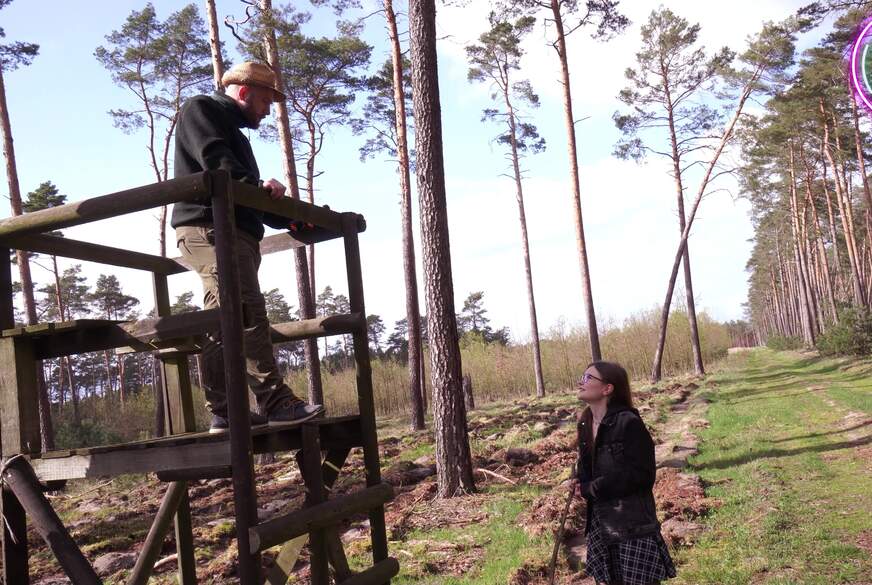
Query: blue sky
{"type": "Point", "coordinates": [62, 133]}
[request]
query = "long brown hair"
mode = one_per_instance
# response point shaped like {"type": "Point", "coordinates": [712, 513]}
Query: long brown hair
{"type": "Point", "coordinates": [616, 375]}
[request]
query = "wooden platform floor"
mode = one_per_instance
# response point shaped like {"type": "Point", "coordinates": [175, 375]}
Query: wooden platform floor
{"type": "Point", "coordinates": [187, 451]}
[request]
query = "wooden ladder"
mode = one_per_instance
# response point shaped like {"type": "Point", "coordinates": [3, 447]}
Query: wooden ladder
{"type": "Point", "coordinates": [26, 471]}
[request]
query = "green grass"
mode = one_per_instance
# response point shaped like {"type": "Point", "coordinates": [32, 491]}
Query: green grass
{"type": "Point", "coordinates": [794, 492]}
{"type": "Point", "coordinates": [505, 544]}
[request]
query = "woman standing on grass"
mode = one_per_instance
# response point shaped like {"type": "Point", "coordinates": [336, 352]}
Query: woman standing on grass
{"type": "Point", "coordinates": [616, 473]}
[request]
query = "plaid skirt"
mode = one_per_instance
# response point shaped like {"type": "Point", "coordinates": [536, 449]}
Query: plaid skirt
{"type": "Point", "coordinates": [640, 561]}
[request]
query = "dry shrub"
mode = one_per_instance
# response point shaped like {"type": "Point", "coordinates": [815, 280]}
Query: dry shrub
{"type": "Point", "coordinates": [502, 373]}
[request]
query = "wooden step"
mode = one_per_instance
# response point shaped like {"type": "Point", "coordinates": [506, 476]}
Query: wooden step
{"type": "Point", "coordinates": [321, 327]}
{"type": "Point", "coordinates": [284, 528]}
{"type": "Point", "coordinates": [187, 451]}
{"type": "Point", "coordinates": [173, 333]}
{"type": "Point", "coordinates": [279, 333]}
{"type": "Point", "coordinates": [51, 340]}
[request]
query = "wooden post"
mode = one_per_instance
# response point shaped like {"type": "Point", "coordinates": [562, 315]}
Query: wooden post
{"type": "Point", "coordinates": [311, 468]}
{"type": "Point", "coordinates": [178, 418]}
{"type": "Point", "coordinates": [19, 394]}
{"type": "Point", "coordinates": [350, 224]}
{"type": "Point", "coordinates": [15, 570]}
{"type": "Point", "coordinates": [15, 527]}
{"type": "Point", "coordinates": [468, 396]}
{"type": "Point", "coordinates": [378, 574]}
{"type": "Point", "coordinates": [241, 452]}
{"type": "Point", "coordinates": [287, 557]}
{"type": "Point", "coordinates": [7, 311]}
{"type": "Point", "coordinates": [19, 397]}
{"type": "Point", "coordinates": [176, 492]}
{"type": "Point", "coordinates": [18, 475]}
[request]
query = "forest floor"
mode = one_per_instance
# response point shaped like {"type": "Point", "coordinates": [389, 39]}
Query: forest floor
{"type": "Point", "coordinates": [764, 476]}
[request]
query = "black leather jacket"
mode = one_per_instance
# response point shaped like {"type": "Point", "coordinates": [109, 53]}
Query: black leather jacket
{"type": "Point", "coordinates": [617, 475]}
{"type": "Point", "coordinates": [208, 137]}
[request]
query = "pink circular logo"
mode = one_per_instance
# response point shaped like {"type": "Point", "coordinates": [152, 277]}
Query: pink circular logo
{"type": "Point", "coordinates": [861, 64]}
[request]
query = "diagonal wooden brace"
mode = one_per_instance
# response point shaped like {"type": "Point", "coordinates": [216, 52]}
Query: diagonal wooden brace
{"type": "Point", "coordinates": [19, 477]}
{"type": "Point", "coordinates": [156, 534]}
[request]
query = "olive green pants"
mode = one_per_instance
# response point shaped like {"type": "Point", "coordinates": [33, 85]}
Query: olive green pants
{"type": "Point", "coordinates": [197, 246]}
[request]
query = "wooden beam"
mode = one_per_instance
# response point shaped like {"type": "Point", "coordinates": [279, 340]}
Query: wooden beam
{"type": "Point", "coordinates": [90, 252]}
{"type": "Point", "coordinates": [310, 459]}
{"type": "Point", "coordinates": [293, 209]}
{"type": "Point", "coordinates": [20, 478]}
{"type": "Point", "coordinates": [284, 528]}
{"type": "Point", "coordinates": [7, 307]}
{"type": "Point", "coordinates": [366, 406]}
{"type": "Point", "coordinates": [178, 418]}
{"type": "Point", "coordinates": [379, 574]}
{"type": "Point", "coordinates": [14, 569]}
{"type": "Point", "coordinates": [19, 412]}
{"type": "Point", "coordinates": [157, 533]}
{"type": "Point", "coordinates": [288, 241]}
{"type": "Point", "coordinates": [284, 563]}
{"type": "Point", "coordinates": [336, 554]}
{"type": "Point", "coordinates": [186, 452]}
{"type": "Point", "coordinates": [112, 205]}
{"type": "Point", "coordinates": [232, 352]}
{"type": "Point", "coordinates": [320, 327]}
{"type": "Point", "coordinates": [84, 335]}
{"type": "Point", "coordinates": [221, 472]}
{"type": "Point", "coordinates": [144, 335]}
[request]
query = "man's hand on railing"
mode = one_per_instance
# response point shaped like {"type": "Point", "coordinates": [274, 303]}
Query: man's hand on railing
{"type": "Point", "coordinates": [275, 188]}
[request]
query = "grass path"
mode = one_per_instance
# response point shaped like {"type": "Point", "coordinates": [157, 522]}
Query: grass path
{"type": "Point", "coordinates": [789, 456]}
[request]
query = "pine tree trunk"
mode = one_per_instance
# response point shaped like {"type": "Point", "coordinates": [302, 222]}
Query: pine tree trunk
{"type": "Point", "coordinates": [160, 428]}
{"type": "Point", "coordinates": [453, 456]}
{"type": "Point", "coordinates": [528, 271]}
{"type": "Point", "coordinates": [468, 395]}
{"type": "Point", "coordinates": [108, 364]}
{"type": "Point", "coordinates": [679, 188]}
{"type": "Point", "coordinates": [413, 312]}
{"type": "Point", "coordinates": [827, 279]}
{"type": "Point", "coordinates": [847, 194]}
{"type": "Point", "coordinates": [656, 369]}
{"type": "Point", "coordinates": [837, 261]}
{"type": "Point", "coordinates": [861, 161]}
{"type": "Point", "coordinates": [846, 216]}
{"type": "Point", "coordinates": [587, 292]}
{"type": "Point", "coordinates": [61, 393]}
{"type": "Point", "coordinates": [74, 391]}
{"type": "Point", "coordinates": [122, 391]}
{"type": "Point", "coordinates": [215, 45]}
{"type": "Point", "coordinates": [805, 294]}
{"type": "Point", "coordinates": [305, 291]}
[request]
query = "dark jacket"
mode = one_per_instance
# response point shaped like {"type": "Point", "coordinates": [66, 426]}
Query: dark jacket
{"type": "Point", "coordinates": [617, 475]}
{"type": "Point", "coordinates": [208, 137]}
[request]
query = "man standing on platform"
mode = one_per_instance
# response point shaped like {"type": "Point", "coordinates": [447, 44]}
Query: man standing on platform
{"type": "Point", "coordinates": [208, 137]}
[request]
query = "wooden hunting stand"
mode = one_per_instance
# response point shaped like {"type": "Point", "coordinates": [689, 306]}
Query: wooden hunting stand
{"type": "Point", "coordinates": [183, 455]}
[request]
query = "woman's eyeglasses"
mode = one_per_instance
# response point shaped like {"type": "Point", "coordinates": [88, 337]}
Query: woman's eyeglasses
{"type": "Point", "coordinates": [585, 378]}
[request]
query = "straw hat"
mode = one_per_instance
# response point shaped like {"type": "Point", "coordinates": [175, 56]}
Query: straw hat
{"type": "Point", "coordinates": [251, 73]}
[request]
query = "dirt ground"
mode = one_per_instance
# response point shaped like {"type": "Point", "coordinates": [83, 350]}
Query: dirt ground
{"type": "Point", "coordinates": [109, 519]}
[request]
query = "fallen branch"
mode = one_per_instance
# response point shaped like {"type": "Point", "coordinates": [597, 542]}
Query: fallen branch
{"type": "Point", "coordinates": [497, 475]}
{"type": "Point", "coordinates": [84, 493]}
{"type": "Point", "coordinates": [165, 561]}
